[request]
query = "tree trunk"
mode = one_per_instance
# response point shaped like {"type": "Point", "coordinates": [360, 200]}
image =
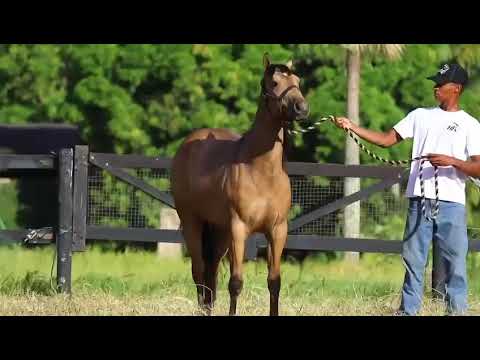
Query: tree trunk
{"type": "Point", "coordinates": [351, 227]}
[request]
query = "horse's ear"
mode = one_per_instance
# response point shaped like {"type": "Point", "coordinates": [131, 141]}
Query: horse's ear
{"type": "Point", "coordinates": [290, 65]}
{"type": "Point", "coordinates": [266, 60]}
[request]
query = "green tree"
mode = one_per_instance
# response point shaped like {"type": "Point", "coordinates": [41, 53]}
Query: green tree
{"type": "Point", "coordinates": [146, 98]}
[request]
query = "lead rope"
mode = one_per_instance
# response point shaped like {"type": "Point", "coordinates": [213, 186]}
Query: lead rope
{"type": "Point", "coordinates": [436, 208]}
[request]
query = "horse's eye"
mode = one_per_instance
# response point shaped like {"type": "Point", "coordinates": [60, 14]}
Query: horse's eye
{"type": "Point", "coordinates": [274, 83]}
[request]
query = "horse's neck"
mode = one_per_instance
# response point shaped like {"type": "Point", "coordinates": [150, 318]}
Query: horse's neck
{"type": "Point", "coordinates": [263, 144]}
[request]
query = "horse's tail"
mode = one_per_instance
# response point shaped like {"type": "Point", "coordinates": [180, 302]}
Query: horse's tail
{"type": "Point", "coordinates": [208, 234]}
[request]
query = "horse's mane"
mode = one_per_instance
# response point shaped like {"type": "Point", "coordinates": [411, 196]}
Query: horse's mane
{"type": "Point", "coordinates": [286, 139]}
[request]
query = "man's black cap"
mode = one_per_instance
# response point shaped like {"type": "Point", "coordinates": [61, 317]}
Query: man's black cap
{"type": "Point", "coordinates": [453, 73]}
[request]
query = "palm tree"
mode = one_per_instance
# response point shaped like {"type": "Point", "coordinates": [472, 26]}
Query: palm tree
{"type": "Point", "coordinates": [467, 55]}
{"type": "Point", "coordinates": [354, 52]}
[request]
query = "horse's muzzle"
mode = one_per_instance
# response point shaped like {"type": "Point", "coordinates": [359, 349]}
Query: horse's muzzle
{"type": "Point", "coordinates": [300, 111]}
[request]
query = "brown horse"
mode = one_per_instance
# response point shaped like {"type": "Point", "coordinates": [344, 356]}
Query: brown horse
{"type": "Point", "coordinates": [227, 187]}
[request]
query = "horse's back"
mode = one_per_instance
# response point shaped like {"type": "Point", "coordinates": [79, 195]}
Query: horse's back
{"type": "Point", "coordinates": [218, 134]}
{"type": "Point", "coordinates": [206, 145]}
{"type": "Point", "coordinates": [200, 165]}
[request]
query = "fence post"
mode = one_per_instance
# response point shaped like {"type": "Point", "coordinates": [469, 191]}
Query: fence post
{"type": "Point", "coordinates": [65, 221]}
{"type": "Point", "coordinates": [169, 220]}
{"type": "Point", "coordinates": [80, 198]}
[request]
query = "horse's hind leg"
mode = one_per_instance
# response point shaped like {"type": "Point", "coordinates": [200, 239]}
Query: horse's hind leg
{"type": "Point", "coordinates": [218, 247]}
{"type": "Point", "coordinates": [276, 242]}
{"type": "Point", "coordinates": [192, 233]}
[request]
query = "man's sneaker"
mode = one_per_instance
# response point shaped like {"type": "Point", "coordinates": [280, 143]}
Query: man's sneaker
{"type": "Point", "coordinates": [400, 313]}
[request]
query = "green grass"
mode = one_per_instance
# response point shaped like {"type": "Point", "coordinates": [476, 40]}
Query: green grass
{"type": "Point", "coordinates": [136, 282]}
{"type": "Point", "coordinates": [9, 205]}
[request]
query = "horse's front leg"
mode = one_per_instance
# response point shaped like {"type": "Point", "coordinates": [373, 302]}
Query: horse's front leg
{"type": "Point", "coordinates": [277, 238]}
{"type": "Point", "coordinates": [238, 236]}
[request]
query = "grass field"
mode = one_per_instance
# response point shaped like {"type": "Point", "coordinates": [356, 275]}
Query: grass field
{"type": "Point", "coordinates": [140, 283]}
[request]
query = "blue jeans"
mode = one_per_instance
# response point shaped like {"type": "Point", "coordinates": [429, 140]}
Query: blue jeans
{"type": "Point", "coordinates": [449, 230]}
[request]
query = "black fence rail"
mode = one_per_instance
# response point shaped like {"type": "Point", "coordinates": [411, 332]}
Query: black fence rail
{"type": "Point", "coordinates": [84, 197]}
{"type": "Point", "coordinates": [27, 165]}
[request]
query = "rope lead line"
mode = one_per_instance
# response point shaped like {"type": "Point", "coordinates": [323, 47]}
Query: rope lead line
{"type": "Point", "coordinates": [436, 208]}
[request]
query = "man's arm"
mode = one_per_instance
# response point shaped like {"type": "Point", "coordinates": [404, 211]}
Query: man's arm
{"type": "Point", "coordinates": [469, 168]}
{"type": "Point", "coordinates": [383, 139]}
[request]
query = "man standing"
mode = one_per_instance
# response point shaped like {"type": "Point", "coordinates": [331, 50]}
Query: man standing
{"type": "Point", "coordinates": [450, 139]}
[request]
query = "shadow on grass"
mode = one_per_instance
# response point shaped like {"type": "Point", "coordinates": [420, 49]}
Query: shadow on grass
{"type": "Point", "coordinates": [101, 283]}
{"type": "Point", "coordinates": [32, 283]}
{"type": "Point", "coordinates": [340, 288]}
{"type": "Point", "coordinates": [126, 285]}
{"type": "Point", "coordinates": [39, 284]}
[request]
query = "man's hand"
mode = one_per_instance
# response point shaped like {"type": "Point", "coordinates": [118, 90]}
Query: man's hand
{"type": "Point", "coordinates": [441, 160]}
{"type": "Point", "coordinates": [343, 123]}
{"type": "Point", "coordinates": [469, 168]}
{"type": "Point", "coordinates": [382, 139]}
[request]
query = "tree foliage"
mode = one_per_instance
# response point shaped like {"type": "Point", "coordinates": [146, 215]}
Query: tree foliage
{"type": "Point", "coordinates": [146, 98]}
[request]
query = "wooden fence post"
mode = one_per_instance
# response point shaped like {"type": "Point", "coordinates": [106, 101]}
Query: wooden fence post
{"type": "Point", "coordinates": [65, 221]}
{"type": "Point", "coordinates": [80, 198]}
{"type": "Point", "coordinates": [169, 220]}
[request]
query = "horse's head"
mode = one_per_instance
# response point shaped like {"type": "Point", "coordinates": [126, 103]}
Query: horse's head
{"type": "Point", "coordinates": [281, 86]}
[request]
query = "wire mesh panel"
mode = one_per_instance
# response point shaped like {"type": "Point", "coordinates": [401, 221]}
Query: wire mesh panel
{"type": "Point", "coordinates": [309, 193]}
{"type": "Point", "coordinates": [382, 215]}
{"type": "Point", "coordinates": [114, 203]}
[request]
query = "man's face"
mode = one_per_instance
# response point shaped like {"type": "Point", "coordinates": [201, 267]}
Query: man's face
{"type": "Point", "coordinates": [446, 91]}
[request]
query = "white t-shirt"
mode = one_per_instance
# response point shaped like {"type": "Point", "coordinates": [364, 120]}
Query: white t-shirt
{"type": "Point", "coordinates": [437, 131]}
